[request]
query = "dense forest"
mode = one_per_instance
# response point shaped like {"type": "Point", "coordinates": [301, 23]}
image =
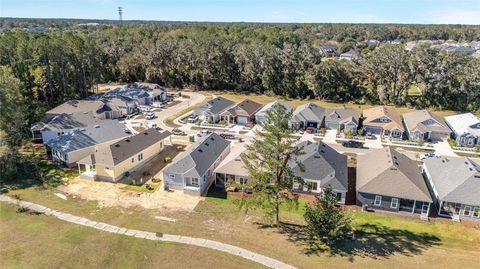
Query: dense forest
{"type": "Point", "coordinates": [40, 69]}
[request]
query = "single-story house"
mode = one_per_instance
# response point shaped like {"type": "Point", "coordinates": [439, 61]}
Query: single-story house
{"type": "Point", "coordinates": [125, 105]}
{"type": "Point", "coordinates": [141, 93]}
{"type": "Point", "coordinates": [309, 115]}
{"type": "Point", "coordinates": [465, 129]}
{"type": "Point", "coordinates": [73, 146]}
{"type": "Point", "coordinates": [455, 186]}
{"type": "Point", "coordinates": [345, 119]}
{"type": "Point", "coordinates": [322, 166]}
{"type": "Point", "coordinates": [389, 180]}
{"type": "Point", "coordinates": [260, 116]}
{"type": "Point", "coordinates": [111, 162]}
{"type": "Point", "coordinates": [384, 121]}
{"type": "Point", "coordinates": [211, 110]}
{"type": "Point", "coordinates": [232, 169]}
{"type": "Point", "coordinates": [242, 114]}
{"type": "Point", "coordinates": [62, 124]}
{"type": "Point", "coordinates": [99, 109]}
{"type": "Point", "coordinates": [423, 125]}
{"type": "Point", "coordinates": [192, 171]}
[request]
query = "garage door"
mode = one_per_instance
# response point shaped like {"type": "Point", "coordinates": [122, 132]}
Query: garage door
{"type": "Point", "coordinates": [242, 120]}
{"type": "Point", "coordinates": [373, 130]}
{"type": "Point", "coordinates": [438, 136]}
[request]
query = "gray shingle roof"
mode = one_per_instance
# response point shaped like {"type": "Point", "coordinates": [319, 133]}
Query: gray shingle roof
{"type": "Point", "coordinates": [424, 121]}
{"type": "Point", "coordinates": [76, 106]}
{"type": "Point", "coordinates": [199, 157]}
{"type": "Point", "coordinates": [456, 179]}
{"type": "Point", "coordinates": [271, 104]}
{"type": "Point", "coordinates": [89, 136]}
{"type": "Point", "coordinates": [126, 148]}
{"type": "Point", "coordinates": [388, 172]}
{"type": "Point", "coordinates": [215, 106]}
{"type": "Point", "coordinates": [68, 121]}
{"type": "Point", "coordinates": [321, 162]}
{"type": "Point", "coordinates": [341, 115]}
{"type": "Point", "coordinates": [308, 112]}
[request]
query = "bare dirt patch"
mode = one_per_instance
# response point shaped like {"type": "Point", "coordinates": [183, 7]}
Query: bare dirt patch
{"type": "Point", "coordinates": [112, 195]}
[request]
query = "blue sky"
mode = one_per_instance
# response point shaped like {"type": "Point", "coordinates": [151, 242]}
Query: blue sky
{"type": "Point", "coordinates": [355, 11]}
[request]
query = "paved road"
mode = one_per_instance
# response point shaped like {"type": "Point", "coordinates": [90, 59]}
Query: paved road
{"type": "Point", "coordinates": [200, 242]}
{"type": "Point", "coordinates": [194, 99]}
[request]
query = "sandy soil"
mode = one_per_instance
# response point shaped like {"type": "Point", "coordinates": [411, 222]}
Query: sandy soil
{"type": "Point", "coordinates": [110, 195]}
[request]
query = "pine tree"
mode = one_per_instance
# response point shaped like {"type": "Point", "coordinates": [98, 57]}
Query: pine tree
{"type": "Point", "coordinates": [267, 161]}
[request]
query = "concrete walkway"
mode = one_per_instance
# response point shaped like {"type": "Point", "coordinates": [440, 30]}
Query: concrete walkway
{"type": "Point", "coordinates": [200, 242]}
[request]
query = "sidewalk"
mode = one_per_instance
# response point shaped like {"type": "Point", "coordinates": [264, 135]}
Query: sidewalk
{"type": "Point", "coordinates": [200, 242]}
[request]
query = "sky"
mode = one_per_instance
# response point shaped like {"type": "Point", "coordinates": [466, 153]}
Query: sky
{"type": "Point", "coordinates": [304, 11]}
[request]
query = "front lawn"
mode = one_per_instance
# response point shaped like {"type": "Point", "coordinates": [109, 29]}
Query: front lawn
{"type": "Point", "coordinates": [383, 241]}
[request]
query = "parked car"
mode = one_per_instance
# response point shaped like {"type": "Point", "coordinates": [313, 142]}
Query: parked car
{"type": "Point", "coordinates": [177, 131]}
{"type": "Point", "coordinates": [426, 156]}
{"type": "Point", "coordinates": [352, 144]}
{"type": "Point", "coordinates": [369, 135]}
{"type": "Point", "coordinates": [150, 116]}
{"type": "Point", "coordinates": [151, 125]}
{"type": "Point", "coordinates": [309, 130]}
{"type": "Point", "coordinates": [157, 105]}
{"type": "Point", "coordinates": [205, 132]}
{"type": "Point", "coordinates": [193, 118]}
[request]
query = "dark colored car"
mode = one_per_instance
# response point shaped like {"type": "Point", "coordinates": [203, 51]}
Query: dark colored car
{"type": "Point", "coordinates": [352, 144]}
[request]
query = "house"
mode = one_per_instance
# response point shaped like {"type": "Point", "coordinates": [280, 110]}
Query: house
{"type": "Point", "coordinates": [242, 114]}
{"type": "Point", "coordinates": [98, 108]}
{"type": "Point", "coordinates": [421, 125]}
{"type": "Point", "coordinates": [260, 116]}
{"type": "Point", "coordinates": [140, 93]}
{"type": "Point", "coordinates": [211, 110]}
{"type": "Point", "coordinates": [125, 105]}
{"type": "Point", "coordinates": [455, 186]}
{"type": "Point", "coordinates": [322, 166]}
{"type": "Point", "coordinates": [308, 115]}
{"type": "Point", "coordinates": [384, 121]}
{"type": "Point", "coordinates": [62, 124]}
{"type": "Point", "coordinates": [73, 146]}
{"type": "Point", "coordinates": [328, 51]}
{"type": "Point", "coordinates": [465, 129]}
{"type": "Point", "coordinates": [232, 169]}
{"type": "Point", "coordinates": [345, 119]}
{"type": "Point", "coordinates": [111, 162]}
{"type": "Point", "coordinates": [192, 171]}
{"type": "Point", "coordinates": [389, 180]}
{"type": "Point", "coordinates": [348, 56]}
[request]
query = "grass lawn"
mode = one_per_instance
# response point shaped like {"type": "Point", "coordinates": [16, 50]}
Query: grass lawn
{"type": "Point", "coordinates": [169, 120]}
{"type": "Point", "coordinates": [384, 241]}
{"type": "Point", "coordinates": [263, 99]}
{"type": "Point", "coordinates": [38, 241]}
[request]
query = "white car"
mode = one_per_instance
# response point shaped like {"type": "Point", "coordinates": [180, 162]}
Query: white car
{"type": "Point", "coordinates": [426, 156]}
{"type": "Point", "coordinates": [150, 116]}
{"type": "Point", "coordinates": [192, 119]}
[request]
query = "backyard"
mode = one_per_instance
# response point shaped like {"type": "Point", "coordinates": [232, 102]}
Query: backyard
{"type": "Point", "coordinates": [383, 241]}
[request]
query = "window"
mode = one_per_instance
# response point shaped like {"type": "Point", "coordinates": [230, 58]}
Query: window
{"type": "Point", "coordinates": [133, 160]}
{"type": "Point", "coordinates": [394, 203]}
{"type": "Point", "coordinates": [194, 181]}
{"type": "Point", "coordinates": [378, 200]}
{"type": "Point", "coordinates": [476, 212]}
{"type": "Point", "coordinates": [467, 210]}
{"type": "Point", "coordinates": [243, 180]}
{"type": "Point", "coordinates": [140, 156]}
{"type": "Point", "coordinates": [314, 186]}
{"type": "Point", "coordinates": [171, 176]}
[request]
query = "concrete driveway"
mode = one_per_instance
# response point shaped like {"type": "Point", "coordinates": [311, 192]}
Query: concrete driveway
{"type": "Point", "coordinates": [330, 137]}
{"type": "Point", "coordinates": [374, 143]}
{"type": "Point", "coordinates": [442, 148]}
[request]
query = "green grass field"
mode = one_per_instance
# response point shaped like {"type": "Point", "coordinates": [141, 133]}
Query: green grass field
{"type": "Point", "coordinates": [384, 241]}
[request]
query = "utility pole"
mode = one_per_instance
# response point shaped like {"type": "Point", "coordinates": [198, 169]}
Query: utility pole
{"type": "Point", "coordinates": [120, 14]}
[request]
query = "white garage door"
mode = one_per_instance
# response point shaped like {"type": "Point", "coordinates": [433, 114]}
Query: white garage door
{"type": "Point", "coordinates": [373, 130]}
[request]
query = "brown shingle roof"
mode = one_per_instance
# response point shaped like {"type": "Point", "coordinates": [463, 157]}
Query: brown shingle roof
{"type": "Point", "coordinates": [374, 113]}
{"type": "Point", "coordinates": [246, 108]}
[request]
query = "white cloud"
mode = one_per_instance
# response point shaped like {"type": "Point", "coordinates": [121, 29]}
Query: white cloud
{"type": "Point", "coordinates": [454, 16]}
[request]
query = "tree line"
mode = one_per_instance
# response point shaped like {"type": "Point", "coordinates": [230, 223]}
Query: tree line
{"type": "Point", "coordinates": [45, 69]}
